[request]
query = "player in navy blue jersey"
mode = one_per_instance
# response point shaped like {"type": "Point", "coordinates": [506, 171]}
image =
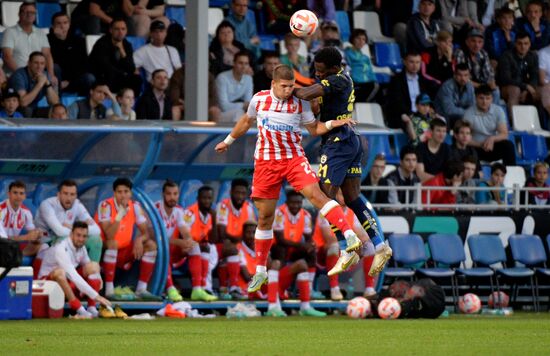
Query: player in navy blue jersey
{"type": "Point", "coordinates": [341, 152]}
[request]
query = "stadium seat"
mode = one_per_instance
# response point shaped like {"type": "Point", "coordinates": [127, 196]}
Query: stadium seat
{"type": "Point", "coordinates": [369, 113]}
{"type": "Point", "coordinates": [45, 12]}
{"type": "Point", "coordinates": [90, 42]}
{"type": "Point", "coordinates": [529, 251]}
{"type": "Point", "coordinates": [387, 54]}
{"type": "Point", "coordinates": [223, 191]}
{"type": "Point", "coordinates": [10, 13]}
{"type": "Point", "coordinates": [370, 22]}
{"type": "Point", "coordinates": [215, 16]}
{"type": "Point", "coordinates": [188, 192]}
{"type": "Point", "coordinates": [400, 140]}
{"type": "Point", "coordinates": [533, 148]}
{"type": "Point", "coordinates": [514, 175]}
{"type": "Point", "coordinates": [103, 192]}
{"type": "Point", "coordinates": [394, 224]}
{"type": "Point", "coordinates": [302, 51]}
{"type": "Point", "coordinates": [389, 168]}
{"type": "Point", "coordinates": [177, 14]}
{"type": "Point", "coordinates": [136, 42]}
{"type": "Point", "coordinates": [268, 42]}
{"type": "Point", "coordinates": [342, 20]}
{"type": "Point", "coordinates": [44, 191]}
{"type": "Point", "coordinates": [526, 118]}
{"type": "Point", "coordinates": [408, 250]}
{"type": "Point", "coordinates": [67, 100]}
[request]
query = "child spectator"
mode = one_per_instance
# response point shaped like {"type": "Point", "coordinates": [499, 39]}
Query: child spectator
{"type": "Point", "coordinates": [122, 106]}
{"type": "Point", "coordinates": [374, 178]}
{"type": "Point", "coordinates": [497, 195]}
{"type": "Point", "coordinates": [10, 104]}
{"type": "Point", "coordinates": [467, 196]}
{"type": "Point", "coordinates": [417, 124]}
{"type": "Point", "coordinates": [364, 79]}
{"type": "Point", "coordinates": [58, 111]}
{"type": "Point", "coordinates": [538, 180]}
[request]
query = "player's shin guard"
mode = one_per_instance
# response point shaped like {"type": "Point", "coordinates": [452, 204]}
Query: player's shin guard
{"type": "Point", "coordinates": [364, 215]}
{"type": "Point", "coordinates": [94, 246]}
{"type": "Point", "coordinates": [302, 281]}
{"type": "Point", "coordinates": [272, 286]}
{"type": "Point", "coordinates": [204, 270]}
{"type": "Point", "coordinates": [146, 268]}
{"type": "Point", "coordinates": [332, 258]}
{"type": "Point", "coordinates": [233, 269]}
{"type": "Point", "coordinates": [263, 240]}
{"type": "Point", "coordinates": [94, 280]}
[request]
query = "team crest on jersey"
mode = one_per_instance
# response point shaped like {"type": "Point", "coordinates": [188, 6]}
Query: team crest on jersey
{"type": "Point", "coordinates": [323, 159]}
{"type": "Point", "coordinates": [188, 217]}
{"type": "Point", "coordinates": [223, 209]}
{"type": "Point", "coordinates": [278, 218]}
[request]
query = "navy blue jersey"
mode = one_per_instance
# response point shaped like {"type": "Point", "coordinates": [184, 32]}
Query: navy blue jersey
{"type": "Point", "coordinates": [337, 104]}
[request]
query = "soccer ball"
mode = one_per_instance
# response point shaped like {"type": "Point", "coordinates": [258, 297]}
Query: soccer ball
{"type": "Point", "coordinates": [358, 308]}
{"type": "Point", "coordinates": [303, 23]}
{"type": "Point", "coordinates": [469, 304]}
{"type": "Point", "coordinates": [496, 302]}
{"type": "Point", "coordinates": [389, 308]}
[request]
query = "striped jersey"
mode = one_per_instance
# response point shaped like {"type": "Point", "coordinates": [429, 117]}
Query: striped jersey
{"type": "Point", "coordinates": [279, 132]}
{"type": "Point", "coordinates": [14, 221]}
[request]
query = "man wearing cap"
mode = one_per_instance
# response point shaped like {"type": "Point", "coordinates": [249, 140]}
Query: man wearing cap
{"type": "Point", "coordinates": [422, 29]}
{"type": "Point", "coordinates": [10, 103]}
{"type": "Point", "coordinates": [156, 55]}
{"type": "Point", "coordinates": [417, 124]}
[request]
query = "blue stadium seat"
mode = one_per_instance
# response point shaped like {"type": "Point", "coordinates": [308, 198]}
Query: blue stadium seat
{"type": "Point", "coordinates": [68, 99]}
{"type": "Point", "coordinates": [533, 148]}
{"type": "Point", "coordinates": [45, 11]}
{"type": "Point", "coordinates": [223, 192]}
{"type": "Point", "coordinates": [408, 250]}
{"type": "Point", "coordinates": [387, 54]}
{"type": "Point", "coordinates": [188, 192]}
{"type": "Point", "coordinates": [136, 41]}
{"type": "Point", "coordinates": [219, 3]}
{"type": "Point", "coordinates": [400, 140]}
{"type": "Point", "coordinates": [382, 78]}
{"type": "Point", "coordinates": [342, 20]}
{"type": "Point", "coordinates": [381, 144]}
{"type": "Point", "coordinates": [44, 191]}
{"type": "Point", "coordinates": [176, 13]}
{"type": "Point", "coordinates": [267, 42]}
{"type": "Point", "coordinates": [104, 191]}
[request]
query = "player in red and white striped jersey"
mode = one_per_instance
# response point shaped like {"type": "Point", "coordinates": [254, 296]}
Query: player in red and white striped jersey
{"type": "Point", "coordinates": [279, 156]}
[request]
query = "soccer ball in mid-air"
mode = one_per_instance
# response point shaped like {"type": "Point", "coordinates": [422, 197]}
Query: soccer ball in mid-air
{"type": "Point", "coordinates": [303, 23]}
{"type": "Point", "coordinates": [498, 300]}
{"type": "Point", "coordinates": [389, 308]}
{"type": "Point", "coordinates": [469, 304]}
{"type": "Point", "coordinates": [358, 308]}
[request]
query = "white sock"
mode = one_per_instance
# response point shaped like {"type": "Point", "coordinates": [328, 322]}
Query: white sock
{"type": "Point", "coordinates": [109, 288]}
{"type": "Point", "coordinates": [370, 290]}
{"type": "Point", "coordinates": [141, 287]}
{"type": "Point", "coordinates": [93, 311]}
{"type": "Point", "coordinates": [261, 269]}
{"type": "Point", "coordinates": [82, 312]}
{"type": "Point", "coordinates": [335, 289]}
{"type": "Point", "coordinates": [197, 288]}
{"type": "Point", "coordinates": [304, 305]}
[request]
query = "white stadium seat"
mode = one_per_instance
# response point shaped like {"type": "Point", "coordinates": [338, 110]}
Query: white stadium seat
{"type": "Point", "coordinates": [302, 51]}
{"type": "Point", "coordinates": [388, 169]}
{"type": "Point", "coordinates": [90, 42]}
{"type": "Point", "coordinates": [526, 118]}
{"type": "Point", "coordinates": [215, 16]}
{"type": "Point", "coordinates": [370, 22]}
{"type": "Point", "coordinates": [514, 175]}
{"type": "Point", "coordinates": [10, 13]}
{"type": "Point", "coordinates": [369, 113]}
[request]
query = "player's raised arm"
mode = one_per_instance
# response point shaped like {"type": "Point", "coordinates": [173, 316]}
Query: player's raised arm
{"type": "Point", "coordinates": [309, 93]}
{"type": "Point", "coordinates": [318, 128]}
{"type": "Point", "coordinates": [240, 128]}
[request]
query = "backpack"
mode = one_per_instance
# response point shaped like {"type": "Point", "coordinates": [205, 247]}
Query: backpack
{"type": "Point", "coordinates": [10, 256]}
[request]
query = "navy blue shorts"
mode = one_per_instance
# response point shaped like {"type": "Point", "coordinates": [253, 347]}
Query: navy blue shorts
{"type": "Point", "coordinates": [340, 160]}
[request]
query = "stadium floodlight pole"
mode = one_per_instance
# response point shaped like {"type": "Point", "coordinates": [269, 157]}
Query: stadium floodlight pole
{"type": "Point", "coordinates": [196, 61]}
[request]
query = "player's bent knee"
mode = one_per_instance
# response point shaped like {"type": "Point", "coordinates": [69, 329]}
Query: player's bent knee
{"type": "Point", "coordinates": [91, 268]}
{"type": "Point", "coordinates": [58, 274]}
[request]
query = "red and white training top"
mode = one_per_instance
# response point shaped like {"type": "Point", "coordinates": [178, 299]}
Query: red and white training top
{"type": "Point", "coordinates": [279, 132]}
{"type": "Point", "coordinates": [14, 221]}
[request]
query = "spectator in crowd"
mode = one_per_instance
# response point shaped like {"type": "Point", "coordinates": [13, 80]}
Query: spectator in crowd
{"type": "Point", "coordinates": [58, 111]}
{"type": "Point", "coordinates": [117, 217]}
{"type": "Point", "coordinates": [538, 180]}
{"type": "Point", "coordinates": [292, 58]}
{"type": "Point", "coordinates": [156, 55]}
{"type": "Point", "coordinates": [92, 107]}
{"type": "Point", "coordinates": [362, 73]}
{"type": "Point", "coordinates": [69, 56]}
{"type": "Point", "coordinates": [450, 176]}
{"type": "Point", "coordinates": [235, 88]}
{"type": "Point", "coordinates": [263, 78]}
{"type": "Point", "coordinates": [456, 14]}
{"type": "Point", "coordinates": [422, 28]}
{"type": "Point", "coordinates": [536, 26]}
{"type": "Point", "coordinates": [478, 61]}
{"type": "Point", "coordinates": [245, 30]}
{"type": "Point", "coordinates": [490, 129]}
{"type": "Point", "coordinates": [501, 35]}
{"type": "Point", "coordinates": [375, 178]}
{"type": "Point", "coordinates": [439, 59]}
{"type": "Point", "coordinates": [417, 124]}
{"type": "Point", "coordinates": [485, 11]}
{"type": "Point", "coordinates": [455, 95]}
{"type": "Point", "coordinates": [19, 41]}
{"type": "Point", "coordinates": [468, 181]}
{"type": "Point", "coordinates": [223, 49]}
{"type": "Point", "coordinates": [544, 77]}
{"type": "Point", "coordinates": [404, 175]}
{"type": "Point", "coordinates": [462, 136]}
{"type": "Point", "coordinates": [518, 75]}
{"type": "Point", "coordinates": [56, 216]}
{"type": "Point", "coordinates": [325, 9]}
{"type": "Point", "coordinates": [122, 108]}
{"type": "Point", "coordinates": [330, 37]}
{"type": "Point", "coordinates": [231, 214]}
{"type": "Point", "coordinates": [433, 153]}
{"type": "Point", "coordinates": [143, 13]}
{"type": "Point", "coordinates": [176, 89]}
{"type": "Point", "coordinates": [10, 104]}
{"type": "Point", "coordinates": [112, 59]}
{"type": "Point", "coordinates": [155, 104]}
{"type": "Point", "coordinates": [93, 17]}
{"type": "Point", "coordinates": [16, 217]}
{"type": "Point", "coordinates": [497, 192]}
{"type": "Point", "coordinates": [278, 14]}
{"type": "Point", "coordinates": [405, 88]}
{"type": "Point", "coordinates": [3, 77]}
{"type": "Point", "coordinates": [69, 261]}
{"type": "Point", "coordinates": [32, 83]}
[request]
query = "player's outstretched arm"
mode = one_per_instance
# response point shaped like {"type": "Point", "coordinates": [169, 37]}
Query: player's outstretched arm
{"type": "Point", "coordinates": [240, 128]}
{"type": "Point", "coordinates": [309, 93]}
{"type": "Point", "coordinates": [318, 128]}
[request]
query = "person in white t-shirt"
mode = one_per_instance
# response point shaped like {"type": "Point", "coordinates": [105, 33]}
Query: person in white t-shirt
{"type": "Point", "coordinates": [60, 264]}
{"type": "Point", "coordinates": [56, 216]}
{"type": "Point", "coordinates": [156, 55]}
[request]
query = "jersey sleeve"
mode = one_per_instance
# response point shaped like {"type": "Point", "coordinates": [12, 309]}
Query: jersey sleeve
{"type": "Point", "coordinates": [307, 115]}
{"type": "Point", "coordinates": [252, 112]}
{"type": "Point", "coordinates": [279, 221]}
{"type": "Point", "coordinates": [308, 225]}
{"type": "Point", "coordinates": [222, 214]}
{"type": "Point", "coordinates": [29, 224]}
{"type": "Point", "coordinates": [104, 212]}
{"type": "Point", "coordinates": [140, 214]}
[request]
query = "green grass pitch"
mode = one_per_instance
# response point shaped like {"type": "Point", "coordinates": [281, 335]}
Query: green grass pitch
{"type": "Point", "coordinates": [520, 334]}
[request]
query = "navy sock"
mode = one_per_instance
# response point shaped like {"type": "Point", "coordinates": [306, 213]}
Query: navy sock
{"type": "Point", "coordinates": [367, 221]}
{"type": "Point", "coordinates": [339, 236]}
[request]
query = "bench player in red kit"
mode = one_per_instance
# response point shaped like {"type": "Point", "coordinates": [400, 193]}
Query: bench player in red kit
{"type": "Point", "coordinates": [278, 156]}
